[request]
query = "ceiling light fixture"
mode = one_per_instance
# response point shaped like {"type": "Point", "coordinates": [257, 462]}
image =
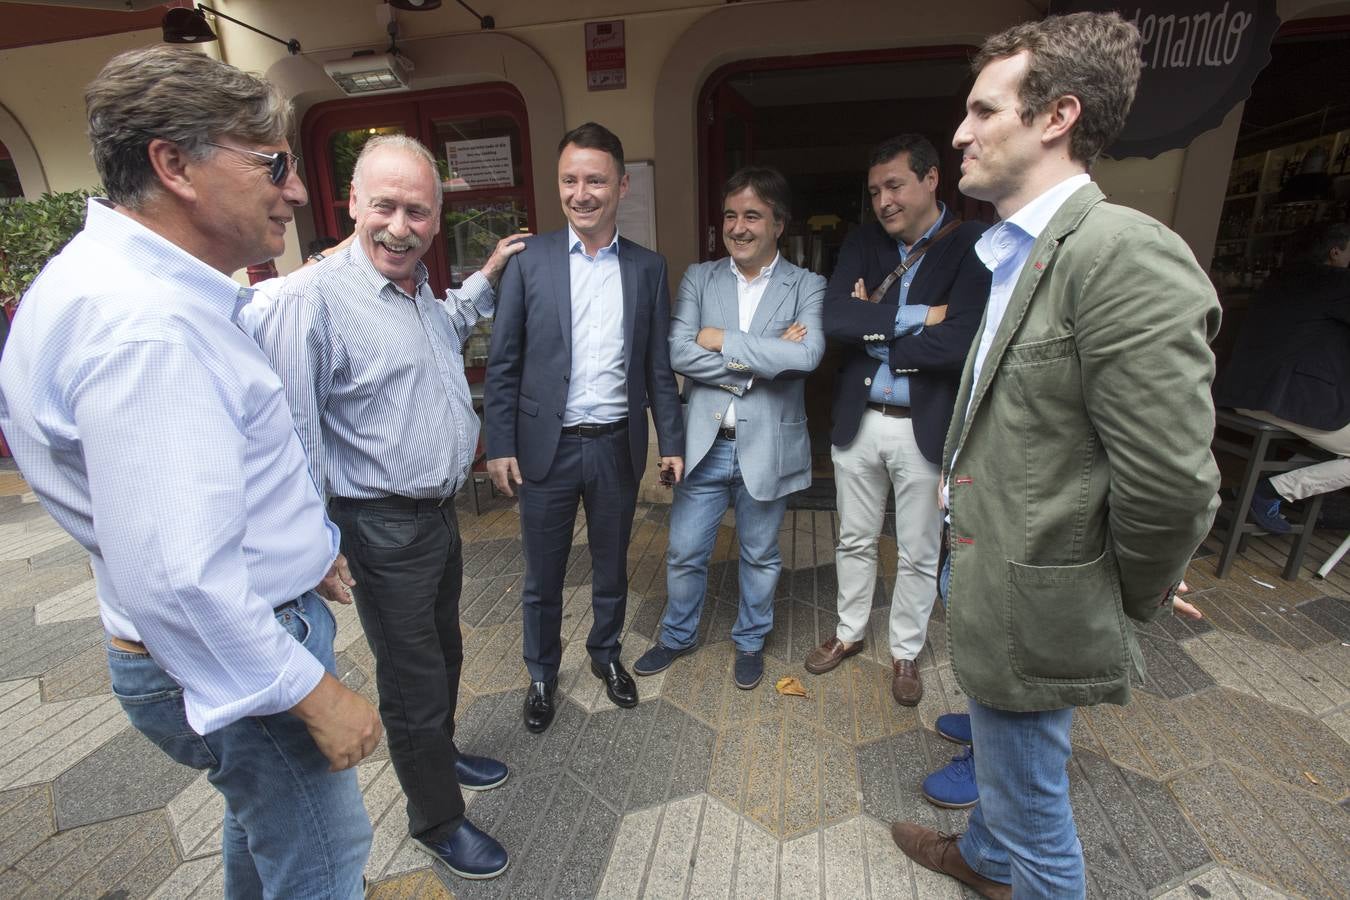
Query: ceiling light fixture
{"type": "Point", "coordinates": [189, 26]}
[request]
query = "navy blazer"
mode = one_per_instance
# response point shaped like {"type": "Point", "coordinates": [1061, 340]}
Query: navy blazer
{"type": "Point", "coordinates": [530, 358]}
{"type": "Point", "coordinates": [1292, 357]}
{"type": "Point", "coordinates": [950, 273]}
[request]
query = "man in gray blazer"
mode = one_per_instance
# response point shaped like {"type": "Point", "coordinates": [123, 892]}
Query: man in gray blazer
{"type": "Point", "coordinates": [745, 333]}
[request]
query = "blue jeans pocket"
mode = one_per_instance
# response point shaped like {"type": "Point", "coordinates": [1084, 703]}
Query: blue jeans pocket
{"type": "Point", "coordinates": [154, 704]}
{"type": "Point", "coordinates": [295, 622]}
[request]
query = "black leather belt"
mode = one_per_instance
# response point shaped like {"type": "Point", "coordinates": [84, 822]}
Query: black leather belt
{"type": "Point", "coordinates": [588, 429]}
{"type": "Point", "coordinates": [886, 409]}
{"type": "Point", "coordinates": [394, 501]}
{"type": "Point", "coordinates": [727, 433]}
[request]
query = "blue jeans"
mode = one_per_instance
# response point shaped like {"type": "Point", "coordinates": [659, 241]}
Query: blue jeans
{"type": "Point", "coordinates": [700, 501]}
{"type": "Point", "coordinates": [1022, 832]}
{"type": "Point", "coordinates": [292, 828]}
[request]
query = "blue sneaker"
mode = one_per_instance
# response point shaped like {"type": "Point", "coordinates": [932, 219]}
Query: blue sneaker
{"type": "Point", "coordinates": [469, 853]}
{"type": "Point", "coordinates": [955, 727]}
{"type": "Point", "coordinates": [1266, 514]}
{"type": "Point", "coordinates": [659, 658]}
{"type": "Point", "coordinates": [479, 773]}
{"type": "Point", "coordinates": [749, 668]}
{"type": "Point", "coordinates": [953, 786]}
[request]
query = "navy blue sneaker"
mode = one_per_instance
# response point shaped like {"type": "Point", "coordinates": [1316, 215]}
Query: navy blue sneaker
{"type": "Point", "coordinates": [479, 773]}
{"type": "Point", "coordinates": [953, 786]}
{"type": "Point", "coordinates": [749, 668]}
{"type": "Point", "coordinates": [469, 853]}
{"type": "Point", "coordinates": [1266, 509]}
{"type": "Point", "coordinates": [659, 658]}
{"type": "Point", "coordinates": [955, 727]}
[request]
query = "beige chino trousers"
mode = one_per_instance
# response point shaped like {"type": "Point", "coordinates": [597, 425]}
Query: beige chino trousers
{"type": "Point", "coordinates": [1319, 478]}
{"type": "Point", "coordinates": [884, 457]}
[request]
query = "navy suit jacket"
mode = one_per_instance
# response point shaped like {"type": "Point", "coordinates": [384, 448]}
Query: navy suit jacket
{"type": "Point", "coordinates": [950, 273]}
{"type": "Point", "coordinates": [530, 359]}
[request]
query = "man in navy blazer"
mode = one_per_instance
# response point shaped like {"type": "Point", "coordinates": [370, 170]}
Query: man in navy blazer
{"type": "Point", "coordinates": [894, 394]}
{"type": "Point", "coordinates": [579, 352]}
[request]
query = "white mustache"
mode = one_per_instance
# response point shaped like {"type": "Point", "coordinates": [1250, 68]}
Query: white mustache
{"type": "Point", "coordinates": [411, 242]}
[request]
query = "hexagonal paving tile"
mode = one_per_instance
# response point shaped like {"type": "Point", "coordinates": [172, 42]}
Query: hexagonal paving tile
{"type": "Point", "coordinates": [42, 740]}
{"type": "Point", "coordinates": [126, 775]}
{"type": "Point", "coordinates": [1272, 831]}
{"type": "Point", "coordinates": [1314, 680]}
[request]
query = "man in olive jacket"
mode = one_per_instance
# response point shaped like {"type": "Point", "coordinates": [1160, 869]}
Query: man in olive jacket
{"type": "Point", "coordinates": [1077, 466]}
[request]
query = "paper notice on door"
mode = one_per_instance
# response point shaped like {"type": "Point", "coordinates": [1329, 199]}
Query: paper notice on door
{"type": "Point", "coordinates": [478, 164]}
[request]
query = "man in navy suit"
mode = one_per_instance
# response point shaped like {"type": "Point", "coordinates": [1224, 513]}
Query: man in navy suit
{"type": "Point", "coordinates": [579, 352]}
{"type": "Point", "coordinates": [905, 300]}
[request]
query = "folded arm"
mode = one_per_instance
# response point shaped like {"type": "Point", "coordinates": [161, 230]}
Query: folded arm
{"type": "Point", "coordinates": [772, 356]}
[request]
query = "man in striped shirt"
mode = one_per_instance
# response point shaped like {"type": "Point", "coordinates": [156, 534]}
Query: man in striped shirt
{"type": "Point", "coordinates": [374, 374]}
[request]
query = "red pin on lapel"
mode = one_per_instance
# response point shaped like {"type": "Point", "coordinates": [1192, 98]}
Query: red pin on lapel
{"type": "Point", "coordinates": [1040, 265]}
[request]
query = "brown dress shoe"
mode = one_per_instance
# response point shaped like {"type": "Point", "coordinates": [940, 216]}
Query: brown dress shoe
{"type": "Point", "coordinates": [830, 654]}
{"type": "Point", "coordinates": [906, 685]}
{"type": "Point", "coordinates": [937, 851]}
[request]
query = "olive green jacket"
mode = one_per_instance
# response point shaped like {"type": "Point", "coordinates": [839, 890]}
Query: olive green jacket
{"type": "Point", "coordinates": [1084, 480]}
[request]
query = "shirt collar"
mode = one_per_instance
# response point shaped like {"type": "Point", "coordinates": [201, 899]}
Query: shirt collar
{"type": "Point", "coordinates": [575, 245]}
{"type": "Point", "coordinates": [927, 235]}
{"type": "Point", "coordinates": [1037, 214]}
{"type": "Point", "coordinates": [171, 262]}
{"type": "Point", "coordinates": [1002, 242]}
{"type": "Point", "coordinates": [376, 278]}
{"type": "Point", "coordinates": [763, 275]}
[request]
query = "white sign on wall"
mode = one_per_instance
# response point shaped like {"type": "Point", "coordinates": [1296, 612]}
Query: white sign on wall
{"type": "Point", "coordinates": [481, 163]}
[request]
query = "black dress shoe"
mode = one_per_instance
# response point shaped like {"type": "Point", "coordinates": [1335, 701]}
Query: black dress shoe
{"type": "Point", "coordinates": [539, 708]}
{"type": "Point", "coordinates": [619, 684]}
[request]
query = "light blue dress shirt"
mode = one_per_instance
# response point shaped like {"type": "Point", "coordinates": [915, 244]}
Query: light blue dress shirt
{"type": "Point", "coordinates": [155, 432]}
{"type": "Point", "coordinates": [375, 377]}
{"type": "Point", "coordinates": [1004, 249]}
{"type": "Point", "coordinates": [598, 389]}
{"type": "Point", "coordinates": [888, 387]}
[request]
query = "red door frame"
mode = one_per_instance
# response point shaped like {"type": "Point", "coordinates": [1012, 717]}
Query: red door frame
{"type": "Point", "coordinates": [710, 129]}
{"type": "Point", "coordinates": [414, 113]}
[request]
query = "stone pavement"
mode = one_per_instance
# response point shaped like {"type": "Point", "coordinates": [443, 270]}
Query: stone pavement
{"type": "Point", "coordinates": [1229, 776]}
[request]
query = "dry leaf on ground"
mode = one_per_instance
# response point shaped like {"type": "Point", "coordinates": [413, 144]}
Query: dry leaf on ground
{"type": "Point", "coordinates": [791, 686]}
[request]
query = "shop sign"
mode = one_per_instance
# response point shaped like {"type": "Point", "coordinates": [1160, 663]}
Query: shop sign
{"type": "Point", "coordinates": [606, 66]}
{"type": "Point", "coordinates": [1200, 58]}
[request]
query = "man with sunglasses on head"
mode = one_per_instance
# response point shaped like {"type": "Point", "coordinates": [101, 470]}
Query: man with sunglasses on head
{"type": "Point", "coordinates": [155, 432]}
{"type": "Point", "coordinates": [374, 373]}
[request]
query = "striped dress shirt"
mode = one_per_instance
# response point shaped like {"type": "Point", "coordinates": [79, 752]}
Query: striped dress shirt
{"type": "Point", "coordinates": [375, 377]}
{"type": "Point", "coordinates": [598, 389]}
{"type": "Point", "coordinates": [155, 432]}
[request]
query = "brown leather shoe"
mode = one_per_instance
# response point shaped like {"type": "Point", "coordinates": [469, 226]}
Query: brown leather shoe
{"type": "Point", "coordinates": [830, 654]}
{"type": "Point", "coordinates": [937, 851]}
{"type": "Point", "coordinates": [906, 685]}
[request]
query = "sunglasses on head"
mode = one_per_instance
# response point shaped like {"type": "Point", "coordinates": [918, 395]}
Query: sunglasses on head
{"type": "Point", "coordinates": [279, 164]}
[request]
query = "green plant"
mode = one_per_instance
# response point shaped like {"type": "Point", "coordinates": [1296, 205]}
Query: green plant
{"type": "Point", "coordinates": [32, 232]}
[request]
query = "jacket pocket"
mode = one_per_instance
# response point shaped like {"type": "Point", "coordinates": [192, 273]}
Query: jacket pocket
{"type": "Point", "coordinates": [794, 448]}
{"type": "Point", "coordinates": [527, 406]}
{"type": "Point", "coordinates": [1066, 623]}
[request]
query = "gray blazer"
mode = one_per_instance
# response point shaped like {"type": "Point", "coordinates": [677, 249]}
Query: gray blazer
{"type": "Point", "coordinates": [761, 372]}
